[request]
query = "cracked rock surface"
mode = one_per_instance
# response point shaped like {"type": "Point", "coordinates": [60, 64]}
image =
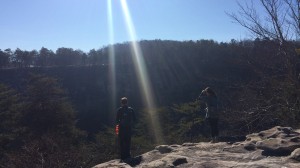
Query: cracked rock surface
{"type": "Point", "coordinates": [278, 147]}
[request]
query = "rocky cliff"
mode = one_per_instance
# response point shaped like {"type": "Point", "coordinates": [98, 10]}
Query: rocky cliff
{"type": "Point", "coordinates": [278, 147]}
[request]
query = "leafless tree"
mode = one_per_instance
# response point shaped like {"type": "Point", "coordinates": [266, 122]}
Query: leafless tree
{"type": "Point", "coordinates": [274, 99]}
{"type": "Point", "coordinates": [294, 14]}
{"type": "Point", "coordinates": [278, 20]}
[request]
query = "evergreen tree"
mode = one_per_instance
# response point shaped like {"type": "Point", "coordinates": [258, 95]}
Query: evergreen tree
{"type": "Point", "coordinates": [10, 129]}
{"type": "Point", "coordinates": [51, 138]}
{"type": "Point", "coordinates": [48, 109]}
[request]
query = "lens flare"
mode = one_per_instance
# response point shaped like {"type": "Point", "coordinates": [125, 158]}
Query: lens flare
{"type": "Point", "coordinates": [141, 70]}
{"type": "Point", "coordinates": [111, 64]}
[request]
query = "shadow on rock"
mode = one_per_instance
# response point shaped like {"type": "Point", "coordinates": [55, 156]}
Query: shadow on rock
{"type": "Point", "coordinates": [134, 161]}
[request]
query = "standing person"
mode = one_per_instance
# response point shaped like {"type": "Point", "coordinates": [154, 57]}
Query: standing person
{"type": "Point", "coordinates": [124, 122]}
{"type": "Point", "coordinates": [209, 97]}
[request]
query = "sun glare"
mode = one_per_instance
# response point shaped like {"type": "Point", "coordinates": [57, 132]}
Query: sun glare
{"type": "Point", "coordinates": [112, 73]}
{"type": "Point", "coordinates": [141, 70]}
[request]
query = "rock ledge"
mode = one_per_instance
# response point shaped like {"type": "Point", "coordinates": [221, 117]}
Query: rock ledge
{"type": "Point", "coordinates": [277, 147]}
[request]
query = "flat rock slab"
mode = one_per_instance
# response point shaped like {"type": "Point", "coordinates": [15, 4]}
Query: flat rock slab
{"type": "Point", "coordinates": [250, 153]}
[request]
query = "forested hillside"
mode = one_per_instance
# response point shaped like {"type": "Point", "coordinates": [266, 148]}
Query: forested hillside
{"type": "Point", "coordinates": [66, 94]}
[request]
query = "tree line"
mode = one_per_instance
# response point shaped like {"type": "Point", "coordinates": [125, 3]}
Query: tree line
{"type": "Point", "coordinates": [176, 70]}
{"type": "Point", "coordinates": [59, 117]}
{"type": "Point", "coordinates": [46, 58]}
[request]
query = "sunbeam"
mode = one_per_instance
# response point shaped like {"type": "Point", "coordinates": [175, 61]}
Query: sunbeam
{"type": "Point", "coordinates": [141, 70]}
{"type": "Point", "coordinates": [111, 64]}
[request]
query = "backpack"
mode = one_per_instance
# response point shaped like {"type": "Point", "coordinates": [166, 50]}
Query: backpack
{"type": "Point", "coordinates": [126, 116]}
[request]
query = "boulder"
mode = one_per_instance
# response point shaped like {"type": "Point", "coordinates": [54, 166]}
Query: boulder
{"type": "Point", "coordinates": [164, 149]}
{"type": "Point", "coordinates": [296, 154]}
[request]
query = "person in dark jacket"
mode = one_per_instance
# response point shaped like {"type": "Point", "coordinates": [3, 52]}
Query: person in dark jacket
{"type": "Point", "coordinates": [124, 121]}
{"type": "Point", "coordinates": [209, 97]}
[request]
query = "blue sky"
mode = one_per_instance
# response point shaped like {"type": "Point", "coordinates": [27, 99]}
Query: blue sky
{"type": "Point", "coordinates": [83, 24]}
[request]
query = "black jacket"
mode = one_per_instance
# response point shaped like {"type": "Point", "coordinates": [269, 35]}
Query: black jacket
{"type": "Point", "coordinates": [125, 116]}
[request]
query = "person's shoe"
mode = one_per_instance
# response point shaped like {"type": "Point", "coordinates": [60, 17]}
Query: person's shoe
{"type": "Point", "coordinates": [214, 140]}
{"type": "Point", "coordinates": [127, 160]}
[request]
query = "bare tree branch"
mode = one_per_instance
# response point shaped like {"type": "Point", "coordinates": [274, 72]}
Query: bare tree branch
{"type": "Point", "coordinates": [279, 16]}
{"type": "Point", "coordinates": [294, 14]}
